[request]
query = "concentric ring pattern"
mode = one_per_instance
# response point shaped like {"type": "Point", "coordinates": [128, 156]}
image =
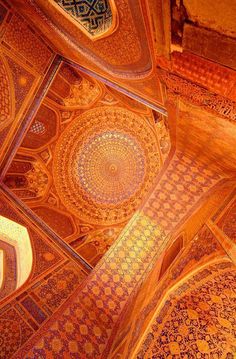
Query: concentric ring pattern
{"type": "Point", "coordinates": [105, 163]}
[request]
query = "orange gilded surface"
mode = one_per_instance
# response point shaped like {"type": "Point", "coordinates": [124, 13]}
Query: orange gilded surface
{"type": "Point", "coordinates": [117, 179]}
{"type": "Point", "coordinates": [105, 163]}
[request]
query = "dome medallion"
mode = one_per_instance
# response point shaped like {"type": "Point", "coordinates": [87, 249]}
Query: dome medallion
{"type": "Point", "coordinates": [111, 167]}
{"type": "Point", "coordinates": [105, 162]}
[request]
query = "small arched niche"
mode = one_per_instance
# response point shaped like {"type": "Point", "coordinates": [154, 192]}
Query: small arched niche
{"type": "Point", "coordinates": [16, 256]}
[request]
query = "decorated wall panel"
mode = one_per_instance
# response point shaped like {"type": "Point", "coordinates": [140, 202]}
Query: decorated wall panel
{"type": "Point", "coordinates": [113, 52]}
{"type": "Point", "coordinates": [122, 53]}
{"type": "Point", "coordinates": [118, 274]}
{"type": "Point", "coordinates": [85, 141]}
{"type": "Point", "coordinates": [22, 317]}
{"type": "Point", "coordinates": [192, 93]}
{"type": "Point", "coordinates": [203, 13]}
{"type": "Point", "coordinates": [52, 279]}
{"type": "Point", "coordinates": [153, 291]}
{"type": "Point", "coordinates": [43, 254]}
{"type": "Point", "coordinates": [24, 60]}
{"type": "Point", "coordinates": [28, 177]}
{"type": "Point", "coordinates": [216, 78]}
{"type": "Point", "coordinates": [167, 272]}
{"type": "Point", "coordinates": [197, 317]}
{"type": "Point", "coordinates": [225, 53]}
{"type": "Point", "coordinates": [43, 129]}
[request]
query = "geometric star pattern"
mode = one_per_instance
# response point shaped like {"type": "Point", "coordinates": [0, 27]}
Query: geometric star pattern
{"type": "Point", "coordinates": [95, 16]}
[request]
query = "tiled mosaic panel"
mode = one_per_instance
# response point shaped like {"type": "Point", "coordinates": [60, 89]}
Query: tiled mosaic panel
{"type": "Point", "coordinates": [94, 16]}
{"type": "Point", "coordinates": [99, 304]}
{"type": "Point", "coordinates": [27, 312]}
{"type": "Point", "coordinates": [197, 319]}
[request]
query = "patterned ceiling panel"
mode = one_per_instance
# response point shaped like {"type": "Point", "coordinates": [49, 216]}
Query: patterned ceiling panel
{"type": "Point", "coordinates": [90, 157]}
{"type": "Point", "coordinates": [105, 163]}
{"type": "Point", "coordinates": [94, 16]}
{"type": "Point", "coordinates": [6, 102]}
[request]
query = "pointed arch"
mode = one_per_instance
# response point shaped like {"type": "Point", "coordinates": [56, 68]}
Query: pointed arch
{"type": "Point", "coordinates": [16, 256]}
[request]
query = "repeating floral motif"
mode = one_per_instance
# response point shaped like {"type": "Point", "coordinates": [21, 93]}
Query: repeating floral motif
{"type": "Point", "coordinates": [105, 163]}
{"type": "Point", "coordinates": [5, 98]}
{"type": "Point", "coordinates": [204, 244]}
{"type": "Point", "coordinates": [216, 78]}
{"type": "Point", "coordinates": [184, 182]}
{"type": "Point", "coordinates": [96, 307]}
{"type": "Point", "coordinates": [82, 95]}
{"type": "Point", "coordinates": [21, 38]}
{"type": "Point", "coordinates": [14, 331]}
{"type": "Point", "coordinates": [197, 319]}
{"type": "Point", "coordinates": [133, 49]}
{"type": "Point", "coordinates": [45, 255]}
{"type": "Point", "coordinates": [94, 311]}
{"type": "Point", "coordinates": [25, 313]}
{"type": "Point", "coordinates": [86, 323]}
{"type": "Point", "coordinates": [200, 250]}
{"type": "Point", "coordinates": [23, 81]}
{"type": "Point", "coordinates": [197, 95]}
{"type": "Point", "coordinates": [57, 288]}
{"type": "Point", "coordinates": [25, 58]}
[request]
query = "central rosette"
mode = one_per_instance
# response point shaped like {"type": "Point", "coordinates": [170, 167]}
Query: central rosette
{"type": "Point", "coordinates": [111, 166]}
{"type": "Point", "coordinates": [105, 162]}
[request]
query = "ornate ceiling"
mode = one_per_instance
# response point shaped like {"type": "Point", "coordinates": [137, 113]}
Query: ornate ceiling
{"type": "Point", "coordinates": [117, 179]}
{"type": "Point", "coordinates": [127, 56]}
{"type": "Point", "coordinates": [89, 158]}
{"type": "Point", "coordinates": [105, 163]}
{"type": "Point", "coordinates": [97, 18]}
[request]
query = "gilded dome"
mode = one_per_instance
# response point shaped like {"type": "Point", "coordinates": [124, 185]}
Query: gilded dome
{"type": "Point", "coordinates": [105, 163]}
